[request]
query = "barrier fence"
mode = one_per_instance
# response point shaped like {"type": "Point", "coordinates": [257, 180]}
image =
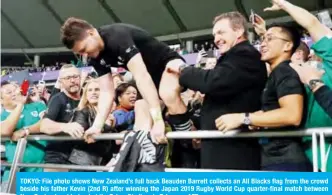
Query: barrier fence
{"type": "Point", "coordinates": [206, 134]}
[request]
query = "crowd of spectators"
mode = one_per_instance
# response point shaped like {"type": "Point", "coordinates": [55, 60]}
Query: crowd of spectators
{"type": "Point", "coordinates": [206, 45]}
{"type": "Point", "coordinates": [241, 90]}
{"type": "Point", "coordinates": [42, 68]}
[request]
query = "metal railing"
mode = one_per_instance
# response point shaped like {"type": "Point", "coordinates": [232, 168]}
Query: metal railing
{"type": "Point", "coordinates": [206, 134]}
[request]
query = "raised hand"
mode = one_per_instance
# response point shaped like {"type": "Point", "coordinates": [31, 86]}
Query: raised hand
{"type": "Point", "coordinates": [259, 25]}
{"type": "Point", "coordinates": [276, 5]}
{"type": "Point", "coordinates": [20, 99]}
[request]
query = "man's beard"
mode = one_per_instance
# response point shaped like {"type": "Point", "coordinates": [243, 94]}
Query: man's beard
{"type": "Point", "coordinates": [73, 90]}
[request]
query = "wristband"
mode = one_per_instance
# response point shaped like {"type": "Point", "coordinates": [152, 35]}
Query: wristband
{"type": "Point", "coordinates": [98, 125]}
{"type": "Point", "coordinates": [156, 114]}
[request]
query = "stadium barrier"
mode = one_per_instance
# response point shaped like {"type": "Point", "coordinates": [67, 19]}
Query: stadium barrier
{"type": "Point", "coordinates": [322, 133]}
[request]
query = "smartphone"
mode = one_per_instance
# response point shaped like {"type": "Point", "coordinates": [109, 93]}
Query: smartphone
{"type": "Point", "coordinates": [30, 90]}
{"type": "Point", "coordinates": [252, 16]}
{"type": "Point", "coordinates": [25, 87]}
{"type": "Point", "coordinates": [41, 82]}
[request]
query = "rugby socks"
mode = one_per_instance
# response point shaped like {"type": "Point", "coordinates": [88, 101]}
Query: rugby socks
{"type": "Point", "coordinates": [180, 122]}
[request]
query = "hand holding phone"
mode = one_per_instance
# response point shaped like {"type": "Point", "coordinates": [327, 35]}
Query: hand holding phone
{"type": "Point", "coordinates": [259, 20]}
{"type": "Point", "coordinates": [258, 23]}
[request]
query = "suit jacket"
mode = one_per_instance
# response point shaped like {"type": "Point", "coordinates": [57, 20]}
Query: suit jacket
{"type": "Point", "coordinates": [235, 85]}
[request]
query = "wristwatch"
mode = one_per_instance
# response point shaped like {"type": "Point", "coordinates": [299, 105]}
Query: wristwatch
{"type": "Point", "coordinates": [246, 120]}
{"type": "Point", "coordinates": [313, 83]}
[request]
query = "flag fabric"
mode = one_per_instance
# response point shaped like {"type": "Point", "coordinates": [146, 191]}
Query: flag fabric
{"type": "Point", "coordinates": [139, 154]}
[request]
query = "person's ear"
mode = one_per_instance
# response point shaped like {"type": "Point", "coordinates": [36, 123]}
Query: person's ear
{"type": "Point", "coordinates": [239, 33]}
{"type": "Point", "coordinates": [92, 32]}
{"type": "Point", "coordinates": [288, 47]}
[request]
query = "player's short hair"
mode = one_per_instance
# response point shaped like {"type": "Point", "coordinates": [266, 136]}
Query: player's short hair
{"type": "Point", "coordinates": [292, 33]}
{"type": "Point", "coordinates": [305, 50]}
{"type": "Point", "coordinates": [236, 19]}
{"type": "Point", "coordinates": [73, 30]}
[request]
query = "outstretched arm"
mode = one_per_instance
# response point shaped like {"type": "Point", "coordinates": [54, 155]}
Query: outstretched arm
{"type": "Point", "coordinates": [302, 17]}
{"type": "Point", "coordinates": [106, 99]}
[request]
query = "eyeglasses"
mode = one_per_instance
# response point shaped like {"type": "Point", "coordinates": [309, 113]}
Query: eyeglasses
{"type": "Point", "coordinates": [270, 38]}
{"type": "Point", "coordinates": [67, 78]}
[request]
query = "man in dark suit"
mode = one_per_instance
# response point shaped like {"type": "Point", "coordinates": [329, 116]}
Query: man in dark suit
{"type": "Point", "coordinates": [234, 85]}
